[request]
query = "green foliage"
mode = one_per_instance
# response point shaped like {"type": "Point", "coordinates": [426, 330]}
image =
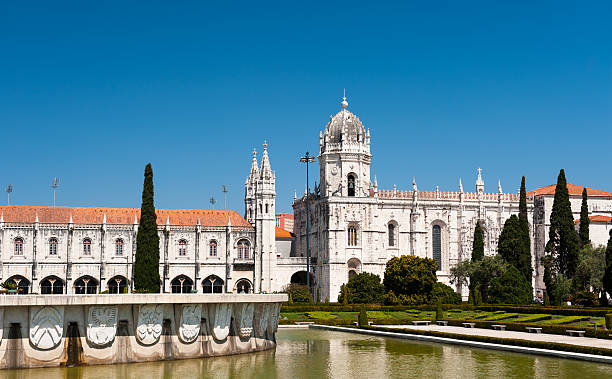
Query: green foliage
{"type": "Point", "coordinates": [290, 299]}
{"type": "Point", "coordinates": [546, 299]}
{"type": "Point", "coordinates": [590, 270]}
{"type": "Point", "coordinates": [319, 295]}
{"type": "Point", "coordinates": [362, 288]}
{"type": "Point", "coordinates": [479, 273]}
{"type": "Point", "coordinates": [344, 291]}
{"type": "Point", "coordinates": [8, 285]}
{"type": "Point", "coordinates": [298, 293]}
{"type": "Point", "coordinates": [533, 318]}
{"type": "Point", "coordinates": [478, 244]}
{"type": "Point", "coordinates": [607, 279]}
{"type": "Point", "coordinates": [377, 315]}
{"type": "Point", "coordinates": [439, 311]}
{"type": "Point", "coordinates": [562, 287]}
{"type": "Point", "coordinates": [511, 288]}
{"type": "Point", "coordinates": [562, 237]}
{"type": "Point", "coordinates": [525, 259]}
{"type": "Point", "coordinates": [477, 296]}
{"type": "Point", "coordinates": [363, 317]}
{"type": "Point", "coordinates": [321, 315]}
{"type": "Point", "coordinates": [609, 321]}
{"type": "Point", "coordinates": [584, 298]}
{"type": "Point", "coordinates": [444, 294]}
{"type": "Point", "coordinates": [410, 276]}
{"type": "Point", "coordinates": [583, 231]}
{"type": "Point", "coordinates": [514, 247]}
{"type": "Point", "coordinates": [503, 316]}
{"type": "Point", "coordinates": [146, 264]}
{"type": "Point", "coordinates": [565, 320]}
{"type": "Point", "coordinates": [326, 299]}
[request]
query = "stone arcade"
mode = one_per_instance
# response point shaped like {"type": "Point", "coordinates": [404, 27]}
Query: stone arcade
{"type": "Point", "coordinates": [45, 331]}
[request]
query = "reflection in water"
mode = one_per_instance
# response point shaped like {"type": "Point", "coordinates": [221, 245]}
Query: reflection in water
{"type": "Point", "coordinates": [322, 354]}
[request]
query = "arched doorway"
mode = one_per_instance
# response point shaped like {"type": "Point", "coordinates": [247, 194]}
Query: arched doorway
{"type": "Point", "coordinates": [23, 285]}
{"type": "Point", "coordinates": [51, 285]}
{"type": "Point", "coordinates": [181, 284]}
{"type": "Point", "coordinates": [212, 284]}
{"type": "Point", "coordinates": [354, 267]}
{"type": "Point", "coordinates": [85, 285]}
{"type": "Point", "coordinates": [300, 278]}
{"type": "Point", "coordinates": [244, 286]}
{"type": "Point", "coordinates": [117, 284]}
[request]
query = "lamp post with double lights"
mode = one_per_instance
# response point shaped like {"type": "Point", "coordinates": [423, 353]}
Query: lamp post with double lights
{"type": "Point", "coordinates": [307, 159]}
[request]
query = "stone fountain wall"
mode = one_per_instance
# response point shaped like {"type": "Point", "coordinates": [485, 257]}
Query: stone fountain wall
{"type": "Point", "coordinates": [106, 329]}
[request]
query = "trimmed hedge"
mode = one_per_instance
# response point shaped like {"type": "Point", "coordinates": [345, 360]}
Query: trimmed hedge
{"type": "Point", "coordinates": [562, 311]}
{"type": "Point", "coordinates": [503, 341]}
{"type": "Point", "coordinates": [520, 327]}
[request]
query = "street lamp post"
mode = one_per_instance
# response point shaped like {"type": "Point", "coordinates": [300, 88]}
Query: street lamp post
{"type": "Point", "coordinates": [307, 159]}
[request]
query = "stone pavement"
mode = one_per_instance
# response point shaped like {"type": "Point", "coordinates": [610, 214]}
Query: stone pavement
{"type": "Point", "coordinates": [556, 338]}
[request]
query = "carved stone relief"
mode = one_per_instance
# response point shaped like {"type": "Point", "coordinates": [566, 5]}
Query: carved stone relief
{"type": "Point", "coordinates": [261, 319]}
{"type": "Point", "coordinates": [243, 316]}
{"type": "Point", "coordinates": [220, 316]}
{"type": "Point", "coordinates": [190, 322]}
{"type": "Point", "coordinates": [149, 323]}
{"type": "Point", "coordinates": [46, 326]}
{"type": "Point", "coordinates": [273, 316]}
{"type": "Point", "coordinates": [101, 325]}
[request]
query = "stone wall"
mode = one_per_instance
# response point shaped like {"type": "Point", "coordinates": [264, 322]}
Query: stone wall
{"type": "Point", "coordinates": [46, 331]}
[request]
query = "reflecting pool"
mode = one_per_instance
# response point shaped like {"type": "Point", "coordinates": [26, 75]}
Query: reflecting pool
{"type": "Point", "coordinates": [303, 353]}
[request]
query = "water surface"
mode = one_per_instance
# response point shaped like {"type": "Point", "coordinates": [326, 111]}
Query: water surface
{"type": "Point", "coordinates": [323, 354]}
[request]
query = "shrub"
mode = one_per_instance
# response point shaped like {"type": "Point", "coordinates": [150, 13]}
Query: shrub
{"type": "Point", "coordinates": [533, 318]}
{"type": "Point", "coordinates": [609, 321]}
{"type": "Point", "coordinates": [565, 320]}
{"type": "Point", "coordinates": [363, 288]}
{"type": "Point", "coordinates": [585, 298]}
{"type": "Point", "coordinates": [363, 317]}
{"type": "Point", "coordinates": [411, 276]}
{"type": "Point", "coordinates": [439, 312]}
{"type": "Point", "coordinates": [502, 316]}
{"type": "Point", "coordinates": [377, 315]}
{"type": "Point", "coordinates": [511, 288]}
{"type": "Point", "coordinates": [8, 285]}
{"type": "Point", "coordinates": [321, 315]}
{"type": "Point", "coordinates": [299, 293]}
{"type": "Point", "coordinates": [444, 294]}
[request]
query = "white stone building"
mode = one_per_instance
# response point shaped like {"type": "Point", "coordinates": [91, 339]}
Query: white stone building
{"type": "Point", "coordinates": [355, 226]}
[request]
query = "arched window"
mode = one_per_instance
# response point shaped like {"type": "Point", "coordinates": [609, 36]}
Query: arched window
{"type": "Point", "coordinates": [86, 246]}
{"type": "Point", "coordinates": [436, 238]}
{"type": "Point", "coordinates": [53, 246]}
{"type": "Point", "coordinates": [181, 284]}
{"type": "Point", "coordinates": [243, 249]}
{"type": "Point", "coordinates": [85, 285]}
{"type": "Point", "coordinates": [119, 247]}
{"type": "Point", "coordinates": [250, 213]}
{"type": "Point", "coordinates": [23, 285]}
{"type": "Point", "coordinates": [243, 286]}
{"type": "Point", "coordinates": [391, 228]}
{"type": "Point", "coordinates": [351, 185]}
{"type": "Point", "coordinates": [352, 235]}
{"type": "Point", "coordinates": [182, 248]}
{"type": "Point", "coordinates": [267, 209]}
{"type": "Point", "coordinates": [117, 284]}
{"type": "Point", "coordinates": [260, 209]}
{"type": "Point", "coordinates": [212, 284]}
{"type": "Point", "coordinates": [213, 248]}
{"type": "Point", "coordinates": [52, 285]}
{"type": "Point", "coordinates": [18, 246]}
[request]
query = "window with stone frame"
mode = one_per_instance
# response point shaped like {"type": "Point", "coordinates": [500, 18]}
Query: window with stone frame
{"type": "Point", "coordinates": [392, 232]}
{"type": "Point", "coordinates": [182, 249]}
{"type": "Point", "coordinates": [352, 235]}
{"type": "Point", "coordinates": [243, 249]}
{"type": "Point", "coordinates": [53, 246]}
{"type": "Point", "coordinates": [18, 246]}
{"type": "Point", "coordinates": [119, 247]}
{"type": "Point", "coordinates": [86, 246]}
{"type": "Point", "coordinates": [351, 185]}
{"type": "Point", "coordinates": [436, 239]}
{"type": "Point", "coordinates": [212, 246]}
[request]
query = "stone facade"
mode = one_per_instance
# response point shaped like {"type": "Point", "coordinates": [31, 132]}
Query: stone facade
{"type": "Point", "coordinates": [355, 226]}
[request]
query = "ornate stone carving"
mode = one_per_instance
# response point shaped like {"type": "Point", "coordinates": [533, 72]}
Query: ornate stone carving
{"type": "Point", "coordinates": [273, 316]}
{"type": "Point", "coordinates": [220, 316]}
{"type": "Point", "coordinates": [101, 325]}
{"type": "Point", "coordinates": [46, 327]}
{"type": "Point", "coordinates": [243, 318]}
{"type": "Point", "coordinates": [190, 322]}
{"type": "Point", "coordinates": [149, 323]}
{"type": "Point", "coordinates": [261, 319]}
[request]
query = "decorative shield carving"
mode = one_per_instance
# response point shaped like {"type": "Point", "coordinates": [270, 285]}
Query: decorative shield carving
{"type": "Point", "coordinates": [190, 322]}
{"type": "Point", "coordinates": [149, 323]}
{"type": "Point", "coordinates": [243, 318]}
{"type": "Point", "coordinates": [46, 326]}
{"type": "Point", "coordinates": [220, 316]}
{"type": "Point", "coordinates": [101, 325]}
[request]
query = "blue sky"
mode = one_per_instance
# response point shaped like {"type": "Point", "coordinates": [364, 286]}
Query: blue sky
{"type": "Point", "coordinates": [92, 91]}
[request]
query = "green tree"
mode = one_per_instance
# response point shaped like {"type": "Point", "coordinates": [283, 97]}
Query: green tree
{"type": "Point", "coordinates": [590, 269]}
{"type": "Point", "coordinates": [562, 288]}
{"type": "Point", "coordinates": [583, 232]}
{"type": "Point", "coordinates": [524, 265]}
{"type": "Point", "coordinates": [550, 271]}
{"type": "Point", "coordinates": [363, 288]}
{"type": "Point", "coordinates": [298, 293]}
{"type": "Point", "coordinates": [481, 272]}
{"type": "Point", "coordinates": [607, 279]}
{"type": "Point", "coordinates": [513, 247]}
{"type": "Point", "coordinates": [562, 237]}
{"type": "Point", "coordinates": [511, 288]}
{"type": "Point", "coordinates": [409, 275]}
{"type": "Point", "coordinates": [146, 263]}
{"type": "Point", "coordinates": [363, 316]}
{"type": "Point", "coordinates": [478, 244]}
{"type": "Point", "coordinates": [444, 294]}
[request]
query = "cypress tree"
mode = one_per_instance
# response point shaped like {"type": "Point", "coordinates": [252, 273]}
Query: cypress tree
{"type": "Point", "coordinates": [478, 244]}
{"type": "Point", "coordinates": [524, 265]}
{"type": "Point", "coordinates": [607, 278]}
{"type": "Point", "coordinates": [584, 220]}
{"type": "Point", "coordinates": [146, 264]}
{"type": "Point", "coordinates": [562, 237]}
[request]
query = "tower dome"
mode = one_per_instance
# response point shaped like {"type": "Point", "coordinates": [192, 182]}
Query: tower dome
{"type": "Point", "coordinates": [344, 127]}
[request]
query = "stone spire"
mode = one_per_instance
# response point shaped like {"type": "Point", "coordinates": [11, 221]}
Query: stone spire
{"type": "Point", "coordinates": [414, 186]}
{"type": "Point", "coordinates": [460, 186]}
{"type": "Point", "coordinates": [499, 189]}
{"type": "Point", "coordinates": [265, 171]}
{"type": "Point", "coordinates": [294, 195]}
{"type": "Point", "coordinates": [254, 169]}
{"type": "Point", "coordinates": [479, 182]}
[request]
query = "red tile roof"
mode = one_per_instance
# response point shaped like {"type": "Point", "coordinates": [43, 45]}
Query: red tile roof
{"type": "Point", "coordinates": [86, 215]}
{"type": "Point", "coordinates": [597, 218]}
{"type": "Point", "coordinates": [282, 233]}
{"type": "Point", "coordinates": [571, 188]}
